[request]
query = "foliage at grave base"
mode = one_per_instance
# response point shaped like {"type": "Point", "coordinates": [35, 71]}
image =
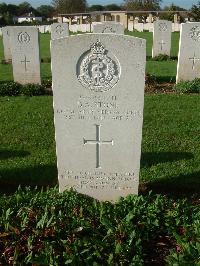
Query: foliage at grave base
{"type": "Point", "coordinates": [14, 89]}
{"type": "Point", "coordinates": [48, 228]}
{"type": "Point", "coordinates": [161, 57]}
{"type": "Point", "coordinates": [188, 86]}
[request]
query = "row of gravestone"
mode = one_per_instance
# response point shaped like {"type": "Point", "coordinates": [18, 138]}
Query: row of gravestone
{"type": "Point", "coordinates": [89, 27]}
{"type": "Point", "coordinates": [98, 92]}
{"type": "Point", "coordinates": [21, 46]}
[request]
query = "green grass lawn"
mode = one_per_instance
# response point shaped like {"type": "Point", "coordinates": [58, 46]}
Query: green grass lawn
{"type": "Point", "coordinates": [170, 148]}
{"type": "Point", "coordinates": [164, 71]}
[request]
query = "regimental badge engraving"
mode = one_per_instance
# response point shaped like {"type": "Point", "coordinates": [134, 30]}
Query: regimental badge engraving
{"type": "Point", "coordinates": [108, 30]}
{"type": "Point", "coordinates": [195, 33]}
{"type": "Point", "coordinates": [59, 29]}
{"type": "Point", "coordinates": [98, 69]}
{"type": "Point", "coordinates": [24, 37]}
{"type": "Point", "coordinates": [162, 26]}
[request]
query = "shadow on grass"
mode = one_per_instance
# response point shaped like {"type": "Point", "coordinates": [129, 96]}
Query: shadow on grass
{"type": "Point", "coordinates": [184, 185]}
{"type": "Point", "coordinates": [40, 176]}
{"type": "Point", "coordinates": [8, 154]}
{"type": "Point", "coordinates": [152, 158]}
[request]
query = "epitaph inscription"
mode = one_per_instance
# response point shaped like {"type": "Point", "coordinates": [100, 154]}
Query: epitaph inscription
{"type": "Point", "coordinates": [96, 70]}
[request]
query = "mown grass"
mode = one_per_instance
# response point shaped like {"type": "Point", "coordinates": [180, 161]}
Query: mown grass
{"type": "Point", "coordinates": [164, 71]}
{"type": "Point", "coordinates": [170, 148]}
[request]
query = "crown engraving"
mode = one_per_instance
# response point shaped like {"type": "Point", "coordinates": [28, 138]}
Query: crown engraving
{"type": "Point", "coordinates": [98, 48]}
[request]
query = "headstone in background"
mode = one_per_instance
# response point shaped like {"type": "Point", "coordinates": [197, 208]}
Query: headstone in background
{"type": "Point", "coordinates": [25, 54]}
{"type": "Point", "coordinates": [148, 27]}
{"type": "Point", "coordinates": [83, 28]}
{"type": "Point", "coordinates": [139, 27]}
{"type": "Point", "coordinates": [73, 28]}
{"type": "Point", "coordinates": [108, 27]}
{"type": "Point", "coordinates": [42, 29]}
{"type": "Point", "coordinates": [176, 27]}
{"type": "Point", "coordinates": [7, 44]}
{"type": "Point", "coordinates": [88, 27]}
{"type": "Point", "coordinates": [130, 26]}
{"type": "Point", "coordinates": [98, 87]}
{"type": "Point", "coordinates": [189, 52]}
{"type": "Point", "coordinates": [59, 30]}
{"type": "Point", "coordinates": [162, 30]}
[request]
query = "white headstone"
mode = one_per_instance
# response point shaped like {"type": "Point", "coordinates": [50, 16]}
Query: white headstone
{"type": "Point", "coordinates": [48, 29]}
{"type": "Point", "coordinates": [73, 28]}
{"type": "Point", "coordinates": [88, 28]}
{"type": "Point", "coordinates": [139, 27]}
{"type": "Point", "coordinates": [25, 54]}
{"type": "Point", "coordinates": [98, 87]}
{"type": "Point", "coordinates": [176, 27]}
{"type": "Point", "coordinates": [6, 43]}
{"type": "Point", "coordinates": [148, 27]}
{"type": "Point", "coordinates": [59, 30]}
{"type": "Point", "coordinates": [130, 26]}
{"type": "Point", "coordinates": [108, 27]}
{"type": "Point", "coordinates": [162, 31]}
{"type": "Point", "coordinates": [83, 28]}
{"type": "Point", "coordinates": [189, 52]}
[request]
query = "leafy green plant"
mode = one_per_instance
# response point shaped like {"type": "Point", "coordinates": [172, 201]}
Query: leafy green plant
{"type": "Point", "coordinates": [50, 228]}
{"type": "Point", "coordinates": [10, 88]}
{"type": "Point", "coordinates": [32, 90]}
{"type": "Point", "coordinates": [15, 89]}
{"type": "Point", "coordinates": [188, 86]}
{"type": "Point", "coordinates": [161, 57]}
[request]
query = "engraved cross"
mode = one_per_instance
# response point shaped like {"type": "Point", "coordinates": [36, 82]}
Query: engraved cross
{"type": "Point", "coordinates": [162, 44]}
{"type": "Point", "coordinates": [98, 142]}
{"type": "Point", "coordinates": [194, 59]}
{"type": "Point", "coordinates": [25, 62]}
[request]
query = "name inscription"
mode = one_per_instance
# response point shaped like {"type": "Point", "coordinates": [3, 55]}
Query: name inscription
{"type": "Point", "coordinates": [98, 108]}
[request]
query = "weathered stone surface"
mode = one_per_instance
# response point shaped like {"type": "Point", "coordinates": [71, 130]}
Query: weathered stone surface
{"type": "Point", "coordinates": [162, 30]}
{"type": "Point", "coordinates": [25, 54]}
{"type": "Point", "coordinates": [189, 52]}
{"type": "Point", "coordinates": [98, 87]}
{"type": "Point", "coordinates": [148, 26]}
{"type": "Point", "coordinates": [139, 27]}
{"type": "Point", "coordinates": [108, 27]}
{"type": "Point", "coordinates": [130, 26]}
{"type": "Point", "coordinates": [73, 28]}
{"type": "Point", "coordinates": [59, 30]}
{"type": "Point", "coordinates": [7, 44]}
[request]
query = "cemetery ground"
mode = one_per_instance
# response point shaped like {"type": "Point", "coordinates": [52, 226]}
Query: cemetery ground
{"type": "Point", "coordinates": [48, 228]}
